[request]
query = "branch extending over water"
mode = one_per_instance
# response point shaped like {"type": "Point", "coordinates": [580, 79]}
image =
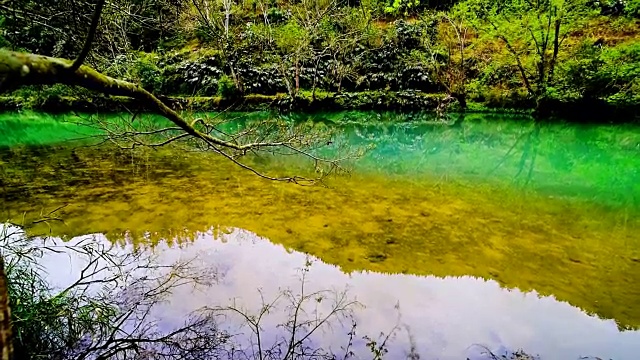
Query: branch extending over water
{"type": "Point", "coordinates": [19, 69]}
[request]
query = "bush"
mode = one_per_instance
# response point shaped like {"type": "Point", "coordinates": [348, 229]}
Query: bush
{"type": "Point", "coordinates": [88, 319]}
{"type": "Point", "coordinates": [226, 87]}
{"type": "Point", "coordinates": [199, 76]}
{"type": "Point", "coordinates": [122, 66]}
{"type": "Point", "coordinates": [148, 73]}
{"type": "Point", "coordinates": [277, 16]}
{"type": "Point", "coordinates": [610, 73]}
{"type": "Point", "coordinates": [3, 41]}
{"type": "Point", "coordinates": [632, 8]}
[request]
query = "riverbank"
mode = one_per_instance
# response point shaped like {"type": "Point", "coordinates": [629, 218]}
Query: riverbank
{"type": "Point", "coordinates": [581, 111]}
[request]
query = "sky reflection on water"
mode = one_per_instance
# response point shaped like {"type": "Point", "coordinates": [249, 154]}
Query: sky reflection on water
{"type": "Point", "coordinates": [445, 316]}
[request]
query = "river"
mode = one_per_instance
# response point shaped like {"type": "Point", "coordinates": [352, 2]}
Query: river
{"type": "Point", "coordinates": [492, 230]}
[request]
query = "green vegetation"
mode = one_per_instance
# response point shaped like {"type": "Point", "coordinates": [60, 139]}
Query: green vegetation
{"type": "Point", "coordinates": [87, 317]}
{"type": "Point", "coordinates": [566, 57]}
{"type": "Point", "coordinates": [440, 190]}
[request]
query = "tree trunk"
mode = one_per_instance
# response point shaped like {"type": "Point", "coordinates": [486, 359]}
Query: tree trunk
{"type": "Point", "coordinates": [462, 100]}
{"type": "Point", "coordinates": [236, 79]}
{"type": "Point", "coordinates": [315, 81]}
{"type": "Point", "coordinates": [6, 338]}
{"type": "Point", "coordinates": [287, 81]}
{"type": "Point", "coordinates": [297, 77]}
{"type": "Point", "coordinates": [556, 49]}
{"type": "Point", "coordinates": [227, 14]}
{"type": "Point", "coordinates": [513, 51]}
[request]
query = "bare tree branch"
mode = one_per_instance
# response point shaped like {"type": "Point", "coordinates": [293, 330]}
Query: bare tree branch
{"type": "Point", "coordinates": [90, 36]}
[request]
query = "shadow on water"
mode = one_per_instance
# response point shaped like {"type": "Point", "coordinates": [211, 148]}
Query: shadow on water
{"type": "Point", "coordinates": [550, 208]}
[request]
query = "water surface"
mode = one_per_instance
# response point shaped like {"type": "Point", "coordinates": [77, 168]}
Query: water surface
{"type": "Point", "coordinates": [446, 317]}
{"type": "Point", "coordinates": [491, 230]}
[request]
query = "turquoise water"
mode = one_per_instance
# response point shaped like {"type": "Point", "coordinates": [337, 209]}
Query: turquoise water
{"type": "Point", "coordinates": [489, 229]}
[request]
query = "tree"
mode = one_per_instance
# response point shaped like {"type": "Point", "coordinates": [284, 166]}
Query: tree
{"type": "Point", "coordinates": [296, 41]}
{"type": "Point", "coordinates": [304, 318]}
{"type": "Point", "coordinates": [293, 42]}
{"type": "Point", "coordinates": [19, 69]}
{"type": "Point", "coordinates": [401, 6]}
{"type": "Point", "coordinates": [217, 26]}
{"type": "Point", "coordinates": [55, 27]}
{"type": "Point", "coordinates": [533, 32]}
{"type": "Point", "coordinates": [447, 43]}
{"type": "Point", "coordinates": [344, 40]}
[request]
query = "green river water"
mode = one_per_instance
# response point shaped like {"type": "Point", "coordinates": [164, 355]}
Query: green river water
{"type": "Point", "coordinates": [493, 229]}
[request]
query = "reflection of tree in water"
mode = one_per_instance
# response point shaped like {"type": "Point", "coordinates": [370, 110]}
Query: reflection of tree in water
{"type": "Point", "coordinates": [104, 312]}
{"type": "Point", "coordinates": [530, 144]}
{"type": "Point", "coordinates": [110, 310]}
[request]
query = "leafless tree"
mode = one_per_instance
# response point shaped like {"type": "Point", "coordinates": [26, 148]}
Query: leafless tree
{"type": "Point", "coordinates": [218, 26]}
{"type": "Point", "coordinates": [295, 40]}
{"type": "Point", "coordinates": [534, 37]}
{"type": "Point", "coordinates": [446, 56]}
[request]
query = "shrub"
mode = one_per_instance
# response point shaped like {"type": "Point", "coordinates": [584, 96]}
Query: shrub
{"type": "Point", "coordinates": [148, 73]}
{"type": "Point", "coordinates": [610, 73]}
{"type": "Point", "coordinates": [632, 8]}
{"type": "Point", "coordinates": [3, 41]}
{"type": "Point", "coordinates": [226, 87]}
{"type": "Point", "coordinates": [88, 319]}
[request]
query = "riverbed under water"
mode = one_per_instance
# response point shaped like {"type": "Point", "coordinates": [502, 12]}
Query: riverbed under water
{"type": "Point", "coordinates": [494, 230]}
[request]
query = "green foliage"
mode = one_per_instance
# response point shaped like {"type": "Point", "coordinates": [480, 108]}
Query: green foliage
{"type": "Point", "coordinates": [620, 71]}
{"type": "Point", "coordinates": [121, 66]}
{"type": "Point", "coordinates": [197, 74]}
{"type": "Point", "coordinates": [291, 37]}
{"type": "Point", "coordinates": [45, 322]}
{"type": "Point", "coordinates": [406, 35]}
{"type": "Point", "coordinates": [509, 54]}
{"type": "Point", "coordinates": [402, 7]}
{"type": "Point", "coordinates": [277, 16]}
{"type": "Point", "coordinates": [41, 96]}
{"type": "Point", "coordinates": [531, 37]}
{"type": "Point", "coordinates": [203, 33]}
{"type": "Point", "coordinates": [89, 316]}
{"type": "Point", "coordinates": [3, 42]}
{"type": "Point", "coordinates": [606, 73]}
{"type": "Point", "coordinates": [618, 7]}
{"type": "Point", "coordinates": [257, 34]}
{"type": "Point", "coordinates": [147, 72]}
{"type": "Point", "coordinates": [632, 8]}
{"type": "Point", "coordinates": [226, 87]}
